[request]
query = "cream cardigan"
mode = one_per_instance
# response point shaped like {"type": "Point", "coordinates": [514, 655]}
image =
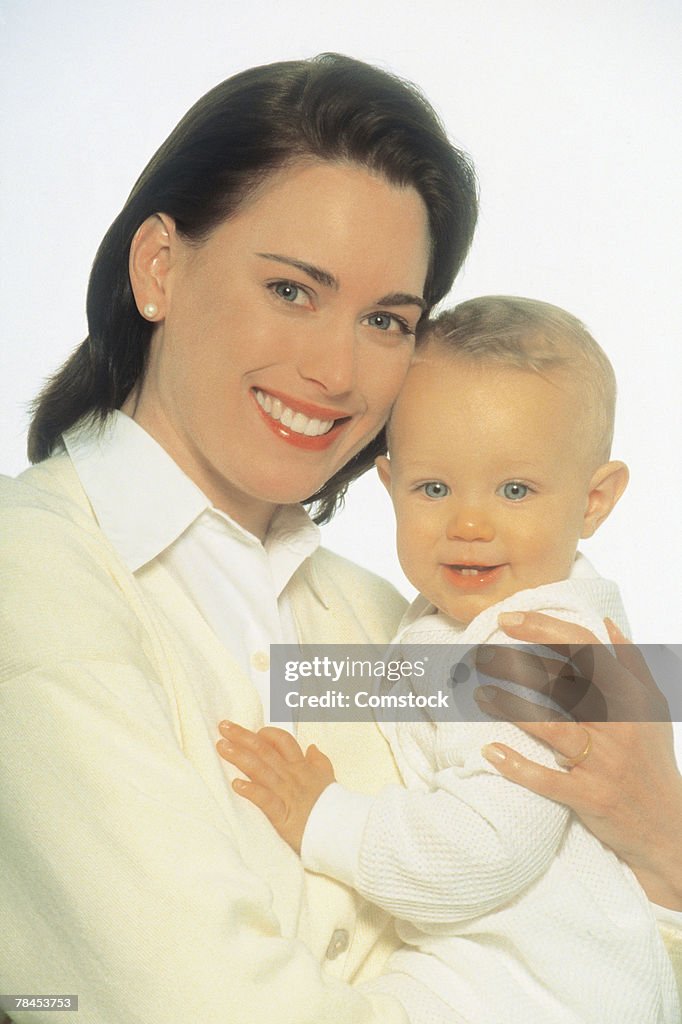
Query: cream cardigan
{"type": "Point", "coordinates": [130, 874]}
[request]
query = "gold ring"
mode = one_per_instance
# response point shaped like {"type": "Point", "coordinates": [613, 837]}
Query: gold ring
{"type": "Point", "coordinates": [571, 762]}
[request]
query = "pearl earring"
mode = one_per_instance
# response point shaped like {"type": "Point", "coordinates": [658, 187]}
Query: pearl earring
{"type": "Point", "coordinates": [150, 310]}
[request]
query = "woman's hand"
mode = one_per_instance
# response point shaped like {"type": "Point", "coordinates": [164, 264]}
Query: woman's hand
{"type": "Point", "coordinates": [623, 781]}
{"type": "Point", "coordinates": [284, 782]}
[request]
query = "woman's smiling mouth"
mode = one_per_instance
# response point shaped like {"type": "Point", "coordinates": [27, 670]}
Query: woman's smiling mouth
{"type": "Point", "coordinates": [296, 421]}
{"type": "Point", "coordinates": [300, 428]}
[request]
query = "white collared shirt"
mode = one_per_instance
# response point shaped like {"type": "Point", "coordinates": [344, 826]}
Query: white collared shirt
{"type": "Point", "coordinates": [149, 509]}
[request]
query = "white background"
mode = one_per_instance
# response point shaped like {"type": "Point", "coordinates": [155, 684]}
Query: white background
{"type": "Point", "coordinates": [571, 112]}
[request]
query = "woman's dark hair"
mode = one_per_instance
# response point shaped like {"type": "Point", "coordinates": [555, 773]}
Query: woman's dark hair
{"type": "Point", "coordinates": [332, 108]}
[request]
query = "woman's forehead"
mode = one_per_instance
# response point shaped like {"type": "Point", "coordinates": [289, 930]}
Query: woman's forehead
{"type": "Point", "coordinates": [338, 218]}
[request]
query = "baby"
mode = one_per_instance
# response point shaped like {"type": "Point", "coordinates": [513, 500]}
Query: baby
{"type": "Point", "coordinates": [510, 911]}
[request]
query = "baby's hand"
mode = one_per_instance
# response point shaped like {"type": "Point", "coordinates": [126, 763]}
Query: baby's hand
{"type": "Point", "coordinates": [285, 782]}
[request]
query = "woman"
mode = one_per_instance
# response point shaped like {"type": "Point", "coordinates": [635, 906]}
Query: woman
{"type": "Point", "coordinates": [251, 316]}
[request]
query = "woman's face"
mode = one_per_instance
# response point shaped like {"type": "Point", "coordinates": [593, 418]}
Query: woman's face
{"type": "Point", "coordinates": [286, 336]}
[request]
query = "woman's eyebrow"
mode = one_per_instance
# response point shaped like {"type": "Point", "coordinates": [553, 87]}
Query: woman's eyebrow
{"type": "Point", "coordinates": [321, 276]}
{"type": "Point", "coordinates": [324, 277]}
{"type": "Point", "coordinates": [402, 299]}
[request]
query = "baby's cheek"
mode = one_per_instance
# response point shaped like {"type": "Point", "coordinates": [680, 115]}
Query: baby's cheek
{"type": "Point", "coordinates": [413, 552]}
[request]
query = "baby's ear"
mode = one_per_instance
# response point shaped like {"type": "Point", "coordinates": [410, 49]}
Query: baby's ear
{"type": "Point", "coordinates": [605, 488]}
{"type": "Point", "coordinates": [383, 465]}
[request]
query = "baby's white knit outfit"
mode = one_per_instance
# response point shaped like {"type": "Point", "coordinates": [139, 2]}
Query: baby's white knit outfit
{"type": "Point", "coordinates": [510, 910]}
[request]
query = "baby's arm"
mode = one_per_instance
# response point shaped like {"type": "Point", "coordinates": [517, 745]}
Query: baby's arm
{"type": "Point", "coordinates": [463, 848]}
{"type": "Point", "coordinates": [441, 856]}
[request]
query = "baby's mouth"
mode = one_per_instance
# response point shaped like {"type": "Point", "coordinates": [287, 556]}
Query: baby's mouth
{"type": "Point", "coordinates": [472, 578]}
{"type": "Point", "coordinates": [297, 422]}
{"type": "Point", "coordinates": [473, 570]}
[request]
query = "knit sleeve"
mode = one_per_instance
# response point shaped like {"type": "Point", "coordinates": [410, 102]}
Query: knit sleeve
{"type": "Point", "coordinates": [470, 843]}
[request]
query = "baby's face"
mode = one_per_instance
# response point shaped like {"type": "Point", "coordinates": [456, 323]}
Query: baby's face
{"type": "Point", "coordinates": [488, 480]}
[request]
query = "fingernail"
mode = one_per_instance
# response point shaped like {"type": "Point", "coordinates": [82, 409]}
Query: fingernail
{"type": "Point", "coordinates": [238, 784]}
{"type": "Point", "coordinates": [510, 618]}
{"type": "Point", "coordinates": [493, 754]}
{"type": "Point", "coordinates": [224, 748]}
{"type": "Point", "coordinates": [485, 693]}
{"type": "Point", "coordinates": [225, 726]}
{"type": "Point", "coordinates": [484, 655]}
{"type": "Point", "coordinates": [611, 625]}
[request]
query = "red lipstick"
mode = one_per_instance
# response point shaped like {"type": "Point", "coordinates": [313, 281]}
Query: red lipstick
{"type": "Point", "coordinates": [309, 409]}
{"type": "Point", "coordinates": [304, 442]}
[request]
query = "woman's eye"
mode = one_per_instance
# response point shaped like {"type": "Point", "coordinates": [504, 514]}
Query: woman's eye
{"type": "Point", "coordinates": [435, 489]}
{"type": "Point", "coordinates": [389, 323]}
{"type": "Point", "coordinates": [514, 491]}
{"type": "Point", "coordinates": [291, 293]}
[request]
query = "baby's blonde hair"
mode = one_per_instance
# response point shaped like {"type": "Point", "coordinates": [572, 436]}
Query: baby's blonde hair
{"type": "Point", "coordinates": [536, 337]}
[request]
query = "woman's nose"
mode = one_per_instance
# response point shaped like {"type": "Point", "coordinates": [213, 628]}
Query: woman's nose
{"type": "Point", "coordinates": [470, 524]}
{"type": "Point", "coordinates": [330, 360]}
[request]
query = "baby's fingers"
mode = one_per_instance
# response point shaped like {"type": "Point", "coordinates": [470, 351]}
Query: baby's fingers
{"type": "Point", "coordinates": [283, 742]}
{"type": "Point", "coordinates": [268, 802]}
{"type": "Point", "coordinates": [320, 762]}
{"type": "Point", "coordinates": [260, 743]}
{"type": "Point", "coordinates": [249, 762]}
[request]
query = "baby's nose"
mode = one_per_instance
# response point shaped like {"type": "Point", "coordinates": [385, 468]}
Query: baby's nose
{"type": "Point", "coordinates": [470, 524]}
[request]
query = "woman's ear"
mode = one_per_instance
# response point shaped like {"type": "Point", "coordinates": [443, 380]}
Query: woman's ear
{"type": "Point", "coordinates": [383, 465]}
{"type": "Point", "coordinates": [150, 253]}
{"type": "Point", "coordinates": [605, 488]}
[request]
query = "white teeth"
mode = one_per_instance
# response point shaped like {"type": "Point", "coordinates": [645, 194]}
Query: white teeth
{"type": "Point", "coordinates": [468, 572]}
{"type": "Point", "coordinates": [296, 421]}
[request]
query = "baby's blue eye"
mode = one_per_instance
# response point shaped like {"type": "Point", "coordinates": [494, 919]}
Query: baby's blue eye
{"type": "Point", "coordinates": [435, 489]}
{"type": "Point", "coordinates": [514, 491]}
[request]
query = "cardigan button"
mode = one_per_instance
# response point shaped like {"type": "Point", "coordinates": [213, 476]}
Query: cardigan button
{"type": "Point", "coordinates": [337, 944]}
{"type": "Point", "coordinates": [260, 661]}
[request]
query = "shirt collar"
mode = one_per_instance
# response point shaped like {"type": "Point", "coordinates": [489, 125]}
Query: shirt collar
{"type": "Point", "coordinates": [291, 539]}
{"type": "Point", "coordinates": [420, 607]}
{"type": "Point", "coordinates": [140, 496]}
{"type": "Point", "coordinates": [143, 501]}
